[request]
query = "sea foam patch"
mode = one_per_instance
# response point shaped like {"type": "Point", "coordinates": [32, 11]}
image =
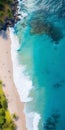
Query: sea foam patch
{"type": "Point", "coordinates": [32, 120]}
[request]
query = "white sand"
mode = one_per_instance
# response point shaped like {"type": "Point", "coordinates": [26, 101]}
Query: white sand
{"type": "Point", "coordinates": [6, 75]}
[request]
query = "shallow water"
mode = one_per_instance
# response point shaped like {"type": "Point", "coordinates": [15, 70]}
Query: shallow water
{"type": "Point", "coordinates": [41, 34]}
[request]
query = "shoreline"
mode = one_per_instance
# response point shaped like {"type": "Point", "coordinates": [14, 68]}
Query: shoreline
{"type": "Point", "coordinates": [6, 75]}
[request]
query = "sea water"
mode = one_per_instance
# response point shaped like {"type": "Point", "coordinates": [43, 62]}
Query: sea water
{"type": "Point", "coordinates": [38, 55]}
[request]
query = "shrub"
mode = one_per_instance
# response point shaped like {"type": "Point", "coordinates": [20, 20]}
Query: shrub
{"type": "Point", "coordinates": [6, 122]}
{"type": "Point", "coordinates": [1, 82]}
{"type": "Point", "coordinates": [2, 120]}
{"type": "Point", "coordinates": [15, 116]}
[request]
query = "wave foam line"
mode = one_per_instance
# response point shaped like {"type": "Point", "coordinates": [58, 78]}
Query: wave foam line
{"type": "Point", "coordinates": [32, 120]}
{"type": "Point", "coordinates": [22, 82]}
{"type": "Point", "coordinates": [21, 12]}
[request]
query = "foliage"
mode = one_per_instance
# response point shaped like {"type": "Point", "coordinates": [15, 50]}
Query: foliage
{"type": "Point", "coordinates": [5, 11]}
{"type": "Point", "coordinates": [6, 121]}
{"type": "Point", "coordinates": [15, 116]}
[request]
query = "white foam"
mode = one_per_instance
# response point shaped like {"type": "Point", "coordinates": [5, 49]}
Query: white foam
{"type": "Point", "coordinates": [22, 82]}
{"type": "Point", "coordinates": [21, 13]}
{"type": "Point", "coordinates": [36, 121]}
{"type": "Point", "coordinates": [32, 120]}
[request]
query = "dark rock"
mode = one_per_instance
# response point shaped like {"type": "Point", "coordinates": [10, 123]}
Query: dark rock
{"type": "Point", "coordinates": [59, 84]}
{"type": "Point", "coordinates": [52, 121]}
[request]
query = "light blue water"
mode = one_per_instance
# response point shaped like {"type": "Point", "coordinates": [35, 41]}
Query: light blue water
{"type": "Point", "coordinates": [42, 50]}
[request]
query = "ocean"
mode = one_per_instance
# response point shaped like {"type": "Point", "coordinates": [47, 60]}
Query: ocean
{"type": "Point", "coordinates": [38, 56]}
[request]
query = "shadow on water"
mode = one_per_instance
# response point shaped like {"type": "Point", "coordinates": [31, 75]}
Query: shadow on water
{"type": "Point", "coordinates": [4, 34]}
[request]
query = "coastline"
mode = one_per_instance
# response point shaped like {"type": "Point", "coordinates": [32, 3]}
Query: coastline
{"type": "Point", "coordinates": [6, 75]}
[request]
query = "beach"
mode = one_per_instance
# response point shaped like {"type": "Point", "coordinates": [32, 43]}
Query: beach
{"type": "Point", "coordinates": [32, 65]}
{"type": "Point", "coordinates": [6, 75]}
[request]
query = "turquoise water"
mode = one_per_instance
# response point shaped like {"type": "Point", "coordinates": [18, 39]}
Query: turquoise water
{"type": "Point", "coordinates": [42, 51]}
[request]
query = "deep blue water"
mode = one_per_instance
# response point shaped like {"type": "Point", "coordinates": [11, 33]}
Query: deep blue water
{"type": "Point", "coordinates": [41, 36]}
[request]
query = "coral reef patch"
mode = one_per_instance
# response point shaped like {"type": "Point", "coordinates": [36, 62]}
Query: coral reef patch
{"type": "Point", "coordinates": [40, 27]}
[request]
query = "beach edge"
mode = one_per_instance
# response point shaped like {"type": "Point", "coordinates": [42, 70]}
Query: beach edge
{"type": "Point", "coordinates": [6, 75]}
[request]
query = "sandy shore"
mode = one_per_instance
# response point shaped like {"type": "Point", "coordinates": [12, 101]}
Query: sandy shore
{"type": "Point", "coordinates": [6, 75]}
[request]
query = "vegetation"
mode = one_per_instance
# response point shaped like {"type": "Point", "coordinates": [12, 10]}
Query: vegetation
{"type": "Point", "coordinates": [6, 121]}
{"type": "Point", "coordinates": [15, 116]}
{"type": "Point", "coordinates": [8, 16]}
{"type": "Point", "coordinates": [4, 7]}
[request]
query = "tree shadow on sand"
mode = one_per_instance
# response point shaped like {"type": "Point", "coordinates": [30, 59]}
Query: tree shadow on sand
{"type": "Point", "coordinates": [4, 35]}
